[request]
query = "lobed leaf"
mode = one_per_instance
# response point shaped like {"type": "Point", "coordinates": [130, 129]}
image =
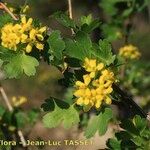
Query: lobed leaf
{"type": "Point", "coordinates": [4, 19]}
{"type": "Point", "coordinates": [56, 44]}
{"type": "Point", "coordinates": [16, 64]}
{"type": "Point", "coordinates": [69, 117]}
{"type": "Point", "coordinates": [104, 53]}
{"type": "Point", "coordinates": [64, 19]}
{"type": "Point", "coordinates": [49, 104]}
{"type": "Point", "coordinates": [80, 47]}
{"type": "Point", "coordinates": [99, 123]}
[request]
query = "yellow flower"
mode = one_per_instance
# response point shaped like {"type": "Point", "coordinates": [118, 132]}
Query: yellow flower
{"type": "Point", "coordinates": [97, 85]}
{"type": "Point", "coordinates": [129, 52]}
{"type": "Point", "coordinates": [98, 104]}
{"type": "Point", "coordinates": [80, 101]}
{"type": "Point", "coordinates": [93, 92]}
{"type": "Point", "coordinates": [100, 66]}
{"type": "Point", "coordinates": [99, 97]}
{"type": "Point", "coordinates": [108, 90]}
{"type": "Point", "coordinates": [24, 37]}
{"type": "Point", "coordinates": [39, 46]}
{"type": "Point", "coordinates": [108, 100]}
{"type": "Point", "coordinates": [87, 79]}
{"type": "Point", "coordinates": [92, 74]}
{"type": "Point", "coordinates": [80, 84]}
{"type": "Point", "coordinates": [43, 29]}
{"type": "Point", "coordinates": [100, 90]}
{"type": "Point", "coordinates": [18, 101]}
{"type": "Point", "coordinates": [87, 92]}
{"type": "Point", "coordinates": [86, 101]}
{"type": "Point", "coordinates": [10, 36]}
{"type": "Point", "coordinates": [29, 48]}
{"type": "Point", "coordinates": [26, 24]}
{"type": "Point", "coordinates": [90, 65]}
{"type": "Point", "coordinates": [108, 83]}
{"type": "Point", "coordinates": [13, 35]}
{"type": "Point", "coordinates": [32, 34]}
{"type": "Point", "coordinates": [25, 9]}
{"type": "Point", "coordinates": [79, 92]}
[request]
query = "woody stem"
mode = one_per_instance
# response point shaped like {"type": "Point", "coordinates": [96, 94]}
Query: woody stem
{"type": "Point", "coordinates": [10, 108]}
{"type": "Point", "coordinates": [3, 6]}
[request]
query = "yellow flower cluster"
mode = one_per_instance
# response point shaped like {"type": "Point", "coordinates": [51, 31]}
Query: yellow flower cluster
{"type": "Point", "coordinates": [129, 52]}
{"type": "Point", "coordinates": [96, 86]}
{"type": "Point", "coordinates": [24, 33]}
{"type": "Point", "coordinates": [26, 8]}
{"type": "Point", "coordinates": [18, 101]}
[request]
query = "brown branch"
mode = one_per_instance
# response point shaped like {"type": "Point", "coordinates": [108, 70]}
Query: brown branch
{"type": "Point", "coordinates": [3, 6]}
{"type": "Point", "coordinates": [10, 108]}
{"type": "Point", "coordinates": [70, 12]}
{"type": "Point", "coordinates": [125, 98]}
{"type": "Point", "coordinates": [70, 9]}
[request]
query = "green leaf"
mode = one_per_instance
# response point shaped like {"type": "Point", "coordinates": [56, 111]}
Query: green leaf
{"type": "Point", "coordinates": [104, 119]}
{"type": "Point", "coordinates": [111, 32]}
{"type": "Point", "coordinates": [56, 44]}
{"type": "Point", "coordinates": [140, 123]}
{"type": "Point", "coordinates": [69, 117]}
{"type": "Point", "coordinates": [88, 24]}
{"type": "Point", "coordinates": [21, 119]}
{"type": "Point", "coordinates": [53, 119]}
{"type": "Point", "coordinates": [109, 6]}
{"type": "Point", "coordinates": [7, 117]}
{"type": "Point", "coordinates": [68, 79]}
{"type": "Point", "coordinates": [84, 40]}
{"type": "Point", "coordinates": [64, 19]}
{"type": "Point", "coordinates": [49, 104]}
{"type": "Point", "coordinates": [135, 134]}
{"type": "Point", "coordinates": [127, 12]}
{"type": "Point", "coordinates": [138, 140]}
{"type": "Point", "coordinates": [1, 62]}
{"type": "Point", "coordinates": [129, 126]}
{"type": "Point", "coordinates": [89, 28]}
{"type": "Point", "coordinates": [2, 111]}
{"type": "Point", "coordinates": [86, 19]}
{"type": "Point", "coordinates": [33, 115]}
{"type": "Point", "coordinates": [69, 95]}
{"type": "Point", "coordinates": [18, 64]}
{"type": "Point", "coordinates": [146, 133]}
{"type": "Point", "coordinates": [92, 127]}
{"type": "Point", "coordinates": [4, 19]}
{"type": "Point", "coordinates": [80, 47]}
{"type": "Point", "coordinates": [99, 123]}
{"type": "Point", "coordinates": [123, 135]}
{"type": "Point", "coordinates": [114, 144]}
{"type": "Point", "coordinates": [104, 53]}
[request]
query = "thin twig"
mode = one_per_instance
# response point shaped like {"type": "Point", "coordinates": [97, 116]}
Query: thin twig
{"type": "Point", "coordinates": [70, 9]}
{"type": "Point", "coordinates": [3, 6]}
{"type": "Point", "coordinates": [70, 12]}
{"type": "Point", "coordinates": [10, 108]}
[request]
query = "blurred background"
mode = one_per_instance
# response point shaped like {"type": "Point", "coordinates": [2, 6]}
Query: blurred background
{"type": "Point", "coordinates": [45, 83]}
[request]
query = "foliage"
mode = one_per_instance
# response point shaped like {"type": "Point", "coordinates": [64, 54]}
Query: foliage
{"type": "Point", "coordinates": [90, 70]}
{"type": "Point", "coordinates": [135, 135]}
{"type": "Point", "coordinates": [18, 118]}
{"type": "Point", "coordinates": [68, 116]}
{"type": "Point", "coordinates": [100, 123]}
